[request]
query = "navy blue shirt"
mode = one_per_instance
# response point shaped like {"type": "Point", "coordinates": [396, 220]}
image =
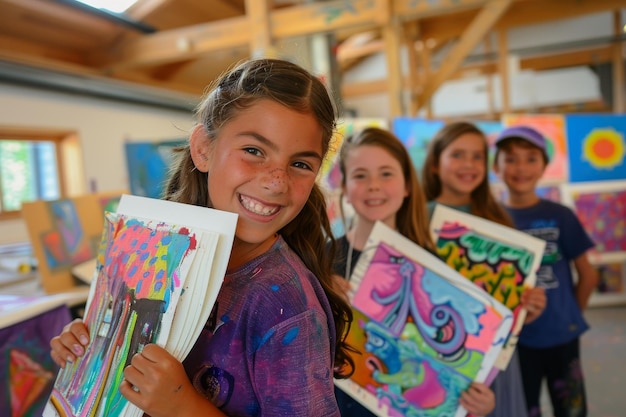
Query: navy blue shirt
{"type": "Point", "coordinates": [562, 320]}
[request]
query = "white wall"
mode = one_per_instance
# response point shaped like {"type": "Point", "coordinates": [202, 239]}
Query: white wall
{"type": "Point", "coordinates": [103, 126]}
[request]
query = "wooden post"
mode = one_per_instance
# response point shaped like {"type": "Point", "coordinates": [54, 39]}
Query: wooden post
{"type": "Point", "coordinates": [261, 45]}
{"type": "Point", "coordinates": [503, 70]}
{"type": "Point", "coordinates": [491, 108]}
{"type": "Point", "coordinates": [473, 33]}
{"type": "Point", "coordinates": [393, 42]}
{"type": "Point", "coordinates": [411, 36]}
{"type": "Point", "coordinates": [619, 104]}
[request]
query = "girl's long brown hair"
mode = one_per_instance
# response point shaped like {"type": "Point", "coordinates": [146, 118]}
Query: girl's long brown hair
{"type": "Point", "coordinates": [483, 203]}
{"type": "Point", "coordinates": [307, 234]}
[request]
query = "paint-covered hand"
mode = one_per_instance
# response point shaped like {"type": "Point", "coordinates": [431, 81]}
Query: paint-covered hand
{"type": "Point", "coordinates": [534, 301]}
{"type": "Point", "coordinates": [70, 344]}
{"type": "Point", "coordinates": [156, 382]}
{"type": "Point", "coordinates": [478, 399]}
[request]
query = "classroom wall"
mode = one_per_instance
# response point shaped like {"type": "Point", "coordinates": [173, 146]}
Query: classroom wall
{"type": "Point", "coordinates": [102, 126]}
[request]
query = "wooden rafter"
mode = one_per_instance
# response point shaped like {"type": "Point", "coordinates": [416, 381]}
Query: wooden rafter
{"type": "Point", "coordinates": [474, 33]}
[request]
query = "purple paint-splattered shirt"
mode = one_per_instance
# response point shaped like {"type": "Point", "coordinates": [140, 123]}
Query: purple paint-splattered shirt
{"type": "Point", "coordinates": [268, 348]}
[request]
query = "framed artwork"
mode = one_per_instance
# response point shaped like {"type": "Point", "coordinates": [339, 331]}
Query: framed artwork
{"type": "Point", "coordinates": [424, 331]}
{"type": "Point", "coordinates": [148, 164]}
{"type": "Point", "coordinates": [498, 259]}
{"type": "Point", "coordinates": [597, 147]}
{"type": "Point", "coordinates": [601, 208]}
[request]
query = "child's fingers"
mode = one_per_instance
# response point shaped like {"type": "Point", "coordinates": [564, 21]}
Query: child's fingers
{"type": "Point", "coordinates": [70, 344]}
{"type": "Point", "coordinates": [478, 399]}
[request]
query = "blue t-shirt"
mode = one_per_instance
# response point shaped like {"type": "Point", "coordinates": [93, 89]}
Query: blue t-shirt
{"type": "Point", "coordinates": [562, 320]}
{"type": "Point", "coordinates": [268, 348]}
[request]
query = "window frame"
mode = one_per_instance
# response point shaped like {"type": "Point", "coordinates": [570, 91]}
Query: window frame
{"type": "Point", "coordinates": [58, 136]}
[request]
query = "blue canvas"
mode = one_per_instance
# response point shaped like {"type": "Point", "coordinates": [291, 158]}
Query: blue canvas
{"type": "Point", "coordinates": [148, 164]}
{"type": "Point", "coordinates": [596, 147]}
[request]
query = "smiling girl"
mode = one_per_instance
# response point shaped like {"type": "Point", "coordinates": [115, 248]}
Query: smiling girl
{"type": "Point", "coordinates": [275, 337]}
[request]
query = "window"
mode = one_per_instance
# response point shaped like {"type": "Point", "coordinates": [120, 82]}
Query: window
{"type": "Point", "coordinates": [115, 6]}
{"type": "Point", "coordinates": [28, 172]}
{"type": "Point", "coordinates": [31, 166]}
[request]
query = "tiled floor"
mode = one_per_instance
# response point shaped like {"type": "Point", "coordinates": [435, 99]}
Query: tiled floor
{"type": "Point", "coordinates": [603, 350]}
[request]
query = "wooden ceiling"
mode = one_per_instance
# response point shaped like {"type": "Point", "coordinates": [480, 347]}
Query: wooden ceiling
{"type": "Point", "coordinates": [182, 45]}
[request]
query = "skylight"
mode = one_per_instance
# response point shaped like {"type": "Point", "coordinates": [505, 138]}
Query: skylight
{"type": "Point", "coordinates": [115, 6]}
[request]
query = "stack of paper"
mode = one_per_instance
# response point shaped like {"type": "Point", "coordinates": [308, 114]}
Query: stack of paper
{"type": "Point", "coordinates": [158, 272]}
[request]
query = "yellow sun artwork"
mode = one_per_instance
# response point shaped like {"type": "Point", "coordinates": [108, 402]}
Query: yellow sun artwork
{"type": "Point", "coordinates": [604, 148]}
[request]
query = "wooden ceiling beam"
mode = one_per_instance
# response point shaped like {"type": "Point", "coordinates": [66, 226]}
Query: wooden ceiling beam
{"type": "Point", "coordinates": [590, 56]}
{"type": "Point", "coordinates": [474, 33]}
{"type": "Point", "coordinates": [298, 20]}
{"type": "Point", "coordinates": [521, 13]}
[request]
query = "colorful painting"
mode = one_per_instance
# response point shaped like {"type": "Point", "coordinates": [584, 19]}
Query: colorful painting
{"type": "Point", "coordinates": [498, 259]}
{"type": "Point", "coordinates": [142, 267]}
{"type": "Point", "coordinates": [148, 164]}
{"type": "Point", "coordinates": [66, 244]}
{"type": "Point", "coordinates": [602, 212]}
{"type": "Point", "coordinates": [26, 369]}
{"type": "Point", "coordinates": [416, 134]}
{"type": "Point", "coordinates": [425, 332]}
{"type": "Point", "coordinates": [552, 127]}
{"type": "Point", "coordinates": [329, 176]}
{"type": "Point", "coordinates": [597, 147]}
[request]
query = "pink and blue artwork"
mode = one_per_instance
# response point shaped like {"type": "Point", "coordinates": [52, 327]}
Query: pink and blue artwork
{"type": "Point", "coordinates": [424, 331]}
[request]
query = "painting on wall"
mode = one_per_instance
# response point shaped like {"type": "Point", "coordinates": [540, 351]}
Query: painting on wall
{"type": "Point", "coordinates": [552, 127]}
{"type": "Point", "coordinates": [416, 134]}
{"type": "Point", "coordinates": [425, 332]}
{"type": "Point", "coordinates": [329, 175]}
{"type": "Point", "coordinates": [148, 164]}
{"type": "Point", "coordinates": [601, 208]}
{"type": "Point", "coordinates": [499, 259]}
{"type": "Point", "coordinates": [597, 147]}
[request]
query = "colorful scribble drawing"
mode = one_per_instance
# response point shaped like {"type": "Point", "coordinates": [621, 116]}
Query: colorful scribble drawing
{"type": "Point", "coordinates": [603, 215]}
{"type": "Point", "coordinates": [498, 259]}
{"type": "Point", "coordinates": [494, 266]}
{"type": "Point", "coordinates": [425, 332]}
{"type": "Point", "coordinates": [141, 270]}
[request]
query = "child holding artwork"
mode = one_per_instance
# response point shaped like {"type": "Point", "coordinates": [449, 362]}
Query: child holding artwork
{"type": "Point", "coordinates": [379, 181]}
{"type": "Point", "coordinates": [276, 334]}
{"type": "Point", "coordinates": [455, 174]}
{"type": "Point", "coordinates": [549, 347]}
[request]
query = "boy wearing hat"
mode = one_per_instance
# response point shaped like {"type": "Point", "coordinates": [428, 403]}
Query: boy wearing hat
{"type": "Point", "coordinates": [549, 347]}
